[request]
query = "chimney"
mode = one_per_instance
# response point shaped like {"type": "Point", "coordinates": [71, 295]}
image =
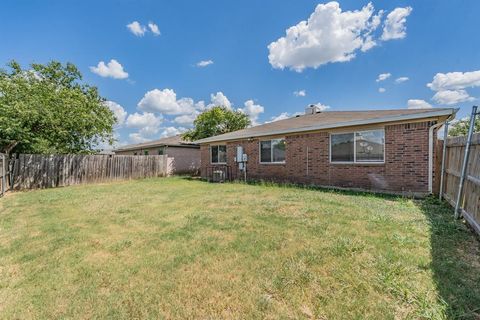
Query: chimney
{"type": "Point", "coordinates": [312, 109]}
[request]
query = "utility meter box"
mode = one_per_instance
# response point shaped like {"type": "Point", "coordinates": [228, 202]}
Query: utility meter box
{"type": "Point", "coordinates": [239, 157]}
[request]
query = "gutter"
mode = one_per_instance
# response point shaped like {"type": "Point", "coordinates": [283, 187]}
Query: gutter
{"type": "Point", "coordinates": [431, 146]}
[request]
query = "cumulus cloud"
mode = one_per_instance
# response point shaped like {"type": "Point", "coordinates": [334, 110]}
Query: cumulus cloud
{"type": "Point", "coordinates": [418, 104]}
{"type": "Point", "coordinates": [172, 131]}
{"type": "Point", "coordinates": [219, 99]}
{"type": "Point", "coordinates": [118, 111]}
{"type": "Point", "coordinates": [204, 63]}
{"type": "Point", "coordinates": [300, 93]}
{"type": "Point", "coordinates": [137, 138]}
{"type": "Point", "coordinates": [450, 87]}
{"type": "Point", "coordinates": [450, 97]}
{"type": "Point", "coordinates": [401, 79]}
{"type": "Point", "coordinates": [382, 90]}
{"type": "Point", "coordinates": [186, 119]}
{"type": "Point", "coordinates": [142, 120]}
{"type": "Point", "coordinates": [165, 101]}
{"type": "Point", "coordinates": [455, 80]}
{"type": "Point", "coordinates": [154, 28]}
{"type": "Point", "coordinates": [394, 26]}
{"type": "Point", "coordinates": [113, 69]}
{"type": "Point", "coordinates": [136, 28]}
{"type": "Point", "coordinates": [252, 110]}
{"type": "Point", "coordinates": [329, 35]}
{"type": "Point", "coordinates": [383, 76]}
{"type": "Point", "coordinates": [283, 116]}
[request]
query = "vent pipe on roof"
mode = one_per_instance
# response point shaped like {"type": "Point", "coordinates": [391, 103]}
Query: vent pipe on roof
{"type": "Point", "coordinates": [312, 109]}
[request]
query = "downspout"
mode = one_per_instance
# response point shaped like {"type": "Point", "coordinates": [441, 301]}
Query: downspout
{"type": "Point", "coordinates": [430, 155]}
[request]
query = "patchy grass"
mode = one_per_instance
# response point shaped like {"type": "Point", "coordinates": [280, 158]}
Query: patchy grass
{"type": "Point", "coordinates": [174, 248]}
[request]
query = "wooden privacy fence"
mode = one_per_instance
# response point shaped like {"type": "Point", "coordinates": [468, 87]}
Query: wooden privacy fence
{"type": "Point", "coordinates": [32, 171]}
{"type": "Point", "coordinates": [470, 201]}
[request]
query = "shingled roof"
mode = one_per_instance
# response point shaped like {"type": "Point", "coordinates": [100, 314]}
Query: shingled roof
{"type": "Point", "coordinates": [175, 141]}
{"type": "Point", "coordinates": [330, 119]}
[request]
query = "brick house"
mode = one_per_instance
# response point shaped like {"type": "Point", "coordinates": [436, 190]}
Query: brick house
{"type": "Point", "coordinates": [381, 150]}
{"type": "Point", "coordinates": [183, 156]}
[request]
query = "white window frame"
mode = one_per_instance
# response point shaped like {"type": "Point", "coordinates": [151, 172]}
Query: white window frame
{"type": "Point", "coordinates": [217, 145]}
{"type": "Point", "coordinates": [271, 152]}
{"type": "Point", "coordinates": [355, 148]}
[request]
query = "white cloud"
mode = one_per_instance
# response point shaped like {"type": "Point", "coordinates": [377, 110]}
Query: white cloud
{"type": "Point", "coordinates": [219, 99]}
{"type": "Point", "coordinates": [146, 119]}
{"type": "Point", "coordinates": [418, 104]}
{"type": "Point", "coordinates": [281, 116]}
{"type": "Point", "coordinates": [383, 76]}
{"type": "Point", "coordinates": [204, 63]}
{"type": "Point", "coordinates": [137, 138]}
{"type": "Point", "coordinates": [172, 131]}
{"type": "Point", "coordinates": [252, 110]}
{"type": "Point", "coordinates": [450, 97]}
{"type": "Point", "coordinates": [401, 79]}
{"type": "Point", "coordinates": [382, 90]}
{"type": "Point", "coordinates": [186, 119]}
{"type": "Point", "coordinates": [322, 107]}
{"type": "Point", "coordinates": [300, 93]}
{"type": "Point", "coordinates": [154, 28]}
{"type": "Point", "coordinates": [394, 26]}
{"type": "Point", "coordinates": [455, 80]}
{"type": "Point", "coordinates": [113, 69]}
{"type": "Point", "coordinates": [118, 111]}
{"type": "Point", "coordinates": [329, 35]}
{"type": "Point", "coordinates": [165, 101]}
{"type": "Point", "coordinates": [136, 28]}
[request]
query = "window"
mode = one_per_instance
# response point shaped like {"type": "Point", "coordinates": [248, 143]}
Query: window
{"type": "Point", "coordinates": [145, 152]}
{"type": "Point", "coordinates": [161, 151]}
{"type": "Point", "coordinates": [218, 154]}
{"type": "Point", "coordinates": [358, 147]}
{"type": "Point", "coordinates": [272, 151]}
{"type": "Point", "coordinates": [134, 153]}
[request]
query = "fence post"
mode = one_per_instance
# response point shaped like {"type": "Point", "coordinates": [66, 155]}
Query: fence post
{"type": "Point", "coordinates": [4, 175]}
{"type": "Point", "coordinates": [444, 155]}
{"type": "Point", "coordinates": [465, 162]}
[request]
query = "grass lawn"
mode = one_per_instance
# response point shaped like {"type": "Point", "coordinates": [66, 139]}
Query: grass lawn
{"type": "Point", "coordinates": [179, 248]}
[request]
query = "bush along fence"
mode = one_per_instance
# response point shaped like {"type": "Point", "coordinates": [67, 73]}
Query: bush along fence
{"type": "Point", "coordinates": [33, 171]}
{"type": "Point", "coordinates": [460, 175]}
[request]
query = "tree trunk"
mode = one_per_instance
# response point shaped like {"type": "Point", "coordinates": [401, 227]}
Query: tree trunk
{"type": "Point", "coordinates": [10, 147]}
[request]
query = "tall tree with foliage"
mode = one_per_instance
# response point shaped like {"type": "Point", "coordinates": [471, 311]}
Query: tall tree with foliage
{"type": "Point", "coordinates": [48, 109]}
{"type": "Point", "coordinates": [215, 121]}
{"type": "Point", "coordinates": [460, 127]}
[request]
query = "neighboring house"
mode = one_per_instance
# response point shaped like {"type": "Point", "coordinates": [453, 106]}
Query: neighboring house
{"type": "Point", "coordinates": [385, 150]}
{"type": "Point", "coordinates": [183, 156]}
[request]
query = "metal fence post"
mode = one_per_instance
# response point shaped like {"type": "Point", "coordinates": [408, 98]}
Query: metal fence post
{"type": "Point", "coordinates": [465, 162]}
{"type": "Point", "coordinates": [444, 155]}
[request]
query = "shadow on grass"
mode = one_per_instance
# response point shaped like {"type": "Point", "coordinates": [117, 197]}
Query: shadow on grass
{"type": "Point", "coordinates": [455, 260]}
{"type": "Point", "coordinates": [343, 191]}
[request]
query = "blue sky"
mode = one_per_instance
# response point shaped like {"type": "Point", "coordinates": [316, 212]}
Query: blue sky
{"type": "Point", "coordinates": [425, 41]}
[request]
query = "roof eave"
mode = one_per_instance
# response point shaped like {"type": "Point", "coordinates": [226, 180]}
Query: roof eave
{"type": "Point", "coordinates": [432, 114]}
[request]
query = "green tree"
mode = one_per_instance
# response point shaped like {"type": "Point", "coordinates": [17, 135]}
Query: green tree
{"type": "Point", "coordinates": [48, 109]}
{"type": "Point", "coordinates": [215, 121]}
{"type": "Point", "coordinates": [460, 127]}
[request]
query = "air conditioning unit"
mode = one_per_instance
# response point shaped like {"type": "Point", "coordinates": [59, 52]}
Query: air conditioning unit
{"type": "Point", "coordinates": [218, 176]}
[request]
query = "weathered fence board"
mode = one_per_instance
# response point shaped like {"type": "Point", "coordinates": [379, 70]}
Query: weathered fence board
{"type": "Point", "coordinates": [33, 171]}
{"type": "Point", "coordinates": [470, 201]}
{"type": "Point", "coordinates": [3, 174]}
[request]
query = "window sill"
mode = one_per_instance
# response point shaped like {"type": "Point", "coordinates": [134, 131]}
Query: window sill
{"type": "Point", "coordinates": [218, 163]}
{"type": "Point", "coordinates": [273, 163]}
{"type": "Point", "coordinates": [359, 163]}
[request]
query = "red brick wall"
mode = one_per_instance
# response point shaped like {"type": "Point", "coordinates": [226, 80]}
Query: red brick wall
{"type": "Point", "coordinates": [405, 168]}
